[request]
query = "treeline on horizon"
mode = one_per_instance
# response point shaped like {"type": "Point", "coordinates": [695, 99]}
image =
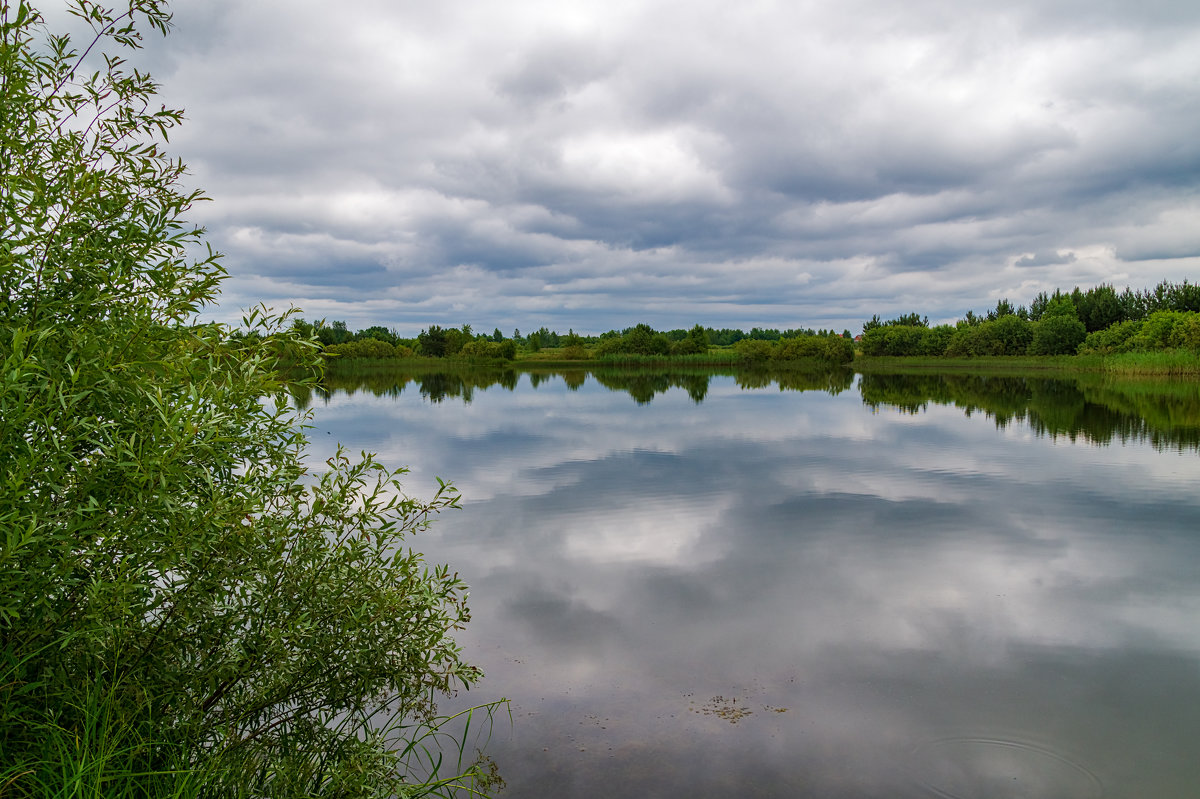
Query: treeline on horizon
{"type": "Point", "coordinates": [1099, 320]}
{"type": "Point", "coordinates": [638, 341]}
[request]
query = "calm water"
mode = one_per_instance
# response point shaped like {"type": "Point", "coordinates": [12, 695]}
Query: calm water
{"type": "Point", "coordinates": [878, 587]}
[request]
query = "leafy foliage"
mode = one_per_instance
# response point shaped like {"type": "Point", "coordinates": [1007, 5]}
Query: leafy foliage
{"type": "Point", "coordinates": [168, 560]}
{"type": "Point", "coordinates": [1058, 334]}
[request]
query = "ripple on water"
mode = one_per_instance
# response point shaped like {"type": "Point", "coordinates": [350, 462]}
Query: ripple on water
{"type": "Point", "coordinates": [996, 768]}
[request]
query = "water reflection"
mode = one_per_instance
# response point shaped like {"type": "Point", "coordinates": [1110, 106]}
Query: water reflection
{"type": "Point", "coordinates": [813, 593]}
{"type": "Point", "coordinates": [1097, 408]}
{"type": "Point", "coordinates": [437, 384]}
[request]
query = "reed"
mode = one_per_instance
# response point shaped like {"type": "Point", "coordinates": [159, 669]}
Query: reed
{"type": "Point", "coordinates": [1174, 363]}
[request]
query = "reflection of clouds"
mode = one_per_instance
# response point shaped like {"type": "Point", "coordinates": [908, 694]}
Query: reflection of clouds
{"type": "Point", "coordinates": [889, 578]}
{"type": "Point", "coordinates": [666, 532]}
{"type": "Point", "coordinates": [932, 507]}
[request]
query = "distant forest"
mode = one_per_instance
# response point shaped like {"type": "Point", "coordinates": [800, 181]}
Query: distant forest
{"type": "Point", "coordinates": [1096, 320]}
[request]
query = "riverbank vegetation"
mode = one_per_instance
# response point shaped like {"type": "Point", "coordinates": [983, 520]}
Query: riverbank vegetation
{"type": "Point", "coordinates": [1058, 400]}
{"type": "Point", "coordinates": [185, 609]}
{"type": "Point", "coordinates": [1153, 331]}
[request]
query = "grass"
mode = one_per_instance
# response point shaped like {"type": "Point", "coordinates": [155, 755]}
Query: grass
{"type": "Point", "coordinates": [1174, 363]}
{"type": "Point", "coordinates": [109, 743]}
{"type": "Point", "coordinates": [990, 365]}
{"type": "Point", "coordinates": [100, 755]}
{"type": "Point", "coordinates": [1170, 363]}
{"type": "Point", "coordinates": [104, 747]}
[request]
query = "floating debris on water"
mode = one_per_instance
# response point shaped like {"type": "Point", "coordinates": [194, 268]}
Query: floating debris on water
{"type": "Point", "coordinates": [722, 707]}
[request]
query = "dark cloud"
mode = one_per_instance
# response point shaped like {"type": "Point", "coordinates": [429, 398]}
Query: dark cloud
{"type": "Point", "coordinates": [773, 164]}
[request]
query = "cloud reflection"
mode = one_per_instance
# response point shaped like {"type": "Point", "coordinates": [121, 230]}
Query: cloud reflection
{"type": "Point", "coordinates": [863, 581]}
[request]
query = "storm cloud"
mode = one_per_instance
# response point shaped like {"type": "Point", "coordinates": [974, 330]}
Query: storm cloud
{"type": "Point", "coordinates": [599, 164]}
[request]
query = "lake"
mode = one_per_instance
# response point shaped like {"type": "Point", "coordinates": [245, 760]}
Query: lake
{"type": "Point", "coordinates": [695, 585]}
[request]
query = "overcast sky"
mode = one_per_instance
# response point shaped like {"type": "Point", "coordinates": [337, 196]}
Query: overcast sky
{"type": "Point", "coordinates": [598, 164]}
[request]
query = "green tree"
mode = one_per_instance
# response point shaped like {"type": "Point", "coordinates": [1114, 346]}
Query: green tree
{"type": "Point", "coordinates": [432, 342]}
{"type": "Point", "coordinates": [379, 333]}
{"type": "Point", "coordinates": [1003, 308]}
{"type": "Point", "coordinates": [170, 572]}
{"type": "Point", "coordinates": [1099, 307]}
{"type": "Point", "coordinates": [693, 342]}
{"type": "Point", "coordinates": [1007, 335]}
{"type": "Point", "coordinates": [641, 339]}
{"type": "Point", "coordinates": [334, 333]}
{"type": "Point", "coordinates": [1057, 334]}
{"type": "Point", "coordinates": [754, 352]}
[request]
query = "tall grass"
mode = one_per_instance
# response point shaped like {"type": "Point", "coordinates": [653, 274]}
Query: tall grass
{"type": "Point", "coordinates": [988, 364]}
{"type": "Point", "coordinates": [1175, 363]}
{"type": "Point", "coordinates": [711, 358]}
{"type": "Point", "coordinates": [106, 747]}
{"type": "Point", "coordinates": [111, 745]}
{"type": "Point", "coordinates": [1165, 363]}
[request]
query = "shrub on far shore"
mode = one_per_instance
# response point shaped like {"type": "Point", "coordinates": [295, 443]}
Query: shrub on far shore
{"type": "Point", "coordinates": [1057, 335]}
{"type": "Point", "coordinates": [371, 348]}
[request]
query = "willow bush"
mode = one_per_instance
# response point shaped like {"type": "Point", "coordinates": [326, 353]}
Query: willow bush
{"type": "Point", "coordinates": [180, 598]}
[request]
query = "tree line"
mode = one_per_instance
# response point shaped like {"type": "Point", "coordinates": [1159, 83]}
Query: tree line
{"type": "Point", "coordinates": [1096, 320]}
{"type": "Point", "coordinates": [378, 342]}
{"type": "Point", "coordinates": [1099, 320]}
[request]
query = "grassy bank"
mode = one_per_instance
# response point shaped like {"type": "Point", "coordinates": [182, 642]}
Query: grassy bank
{"type": "Point", "coordinates": [1172, 363]}
{"type": "Point", "coordinates": [989, 365]}
{"type": "Point", "coordinates": [716, 358]}
{"type": "Point", "coordinates": [550, 357]}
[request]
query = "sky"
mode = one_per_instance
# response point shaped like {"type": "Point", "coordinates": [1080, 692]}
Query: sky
{"type": "Point", "coordinates": [593, 165]}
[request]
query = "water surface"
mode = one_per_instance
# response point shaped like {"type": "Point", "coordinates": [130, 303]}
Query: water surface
{"type": "Point", "coordinates": [704, 586]}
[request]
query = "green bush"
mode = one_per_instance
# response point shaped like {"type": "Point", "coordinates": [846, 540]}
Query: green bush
{"type": "Point", "coordinates": [936, 340]}
{"type": "Point", "coordinates": [753, 351]}
{"type": "Point", "coordinates": [1186, 334]}
{"type": "Point", "coordinates": [1111, 340]}
{"type": "Point", "coordinates": [905, 340]}
{"type": "Point", "coordinates": [363, 348]}
{"type": "Point", "coordinates": [1158, 331]}
{"type": "Point", "coordinates": [574, 352]}
{"type": "Point", "coordinates": [639, 340]}
{"type": "Point", "coordinates": [1006, 335]}
{"type": "Point", "coordinates": [832, 348]}
{"type": "Point", "coordinates": [688, 346]}
{"type": "Point", "coordinates": [1161, 330]}
{"type": "Point", "coordinates": [168, 561]}
{"type": "Point", "coordinates": [1057, 335]}
{"type": "Point", "coordinates": [483, 350]}
{"type": "Point", "coordinates": [695, 342]}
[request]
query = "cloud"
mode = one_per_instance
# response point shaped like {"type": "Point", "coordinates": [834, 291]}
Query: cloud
{"type": "Point", "coordinates": [600, 164]}
{"type": "Point", "coordinates": [1045, 259]}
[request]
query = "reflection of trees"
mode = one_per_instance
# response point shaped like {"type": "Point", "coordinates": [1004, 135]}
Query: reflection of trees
{"type": "Point", "coordinates": [432, 383]}
{"type": "Point", "coordinates": [436, 383]}
{"type": "Point", "coordinates": [696, 387]}
{"type": "Point", "coordinates": [1093, 407]}
{"type": "Point", "coordinates": [644, 385]}
{"type": "Point", "coordinates": [833, 380]}
{"type": "Point", "coordinates": [575, 378]}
